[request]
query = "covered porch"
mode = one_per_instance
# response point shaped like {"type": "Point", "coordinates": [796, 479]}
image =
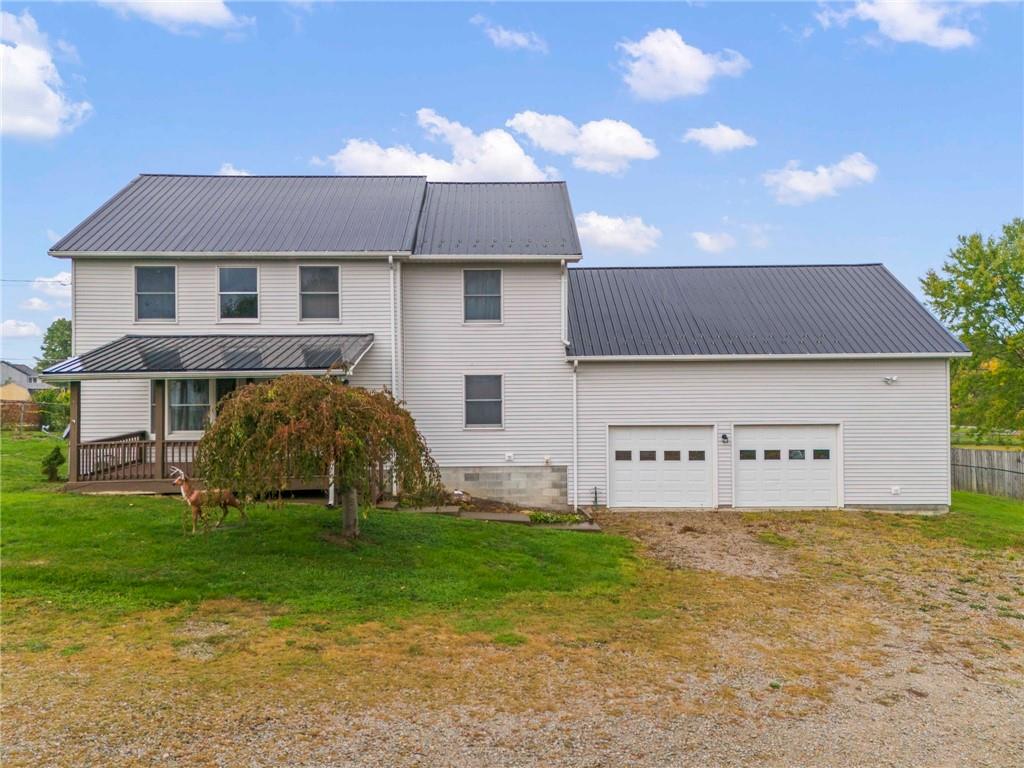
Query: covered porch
{"type": "Point", "coordinates": [188, 375]}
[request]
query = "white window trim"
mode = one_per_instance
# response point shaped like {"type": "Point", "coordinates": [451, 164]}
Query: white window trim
{"type": "Point", "coordinates": [298, 299]}
{"type": "Point", "coordinates": [501, 295]}
{"type": "Point", "coordinates": [188, 434]}
{"type": "Point", "coordinates": [483, 427]}
{"type": "Point", "coordinates": [135, 297]}
{"type": "Point", "coordinates": [259, 295]}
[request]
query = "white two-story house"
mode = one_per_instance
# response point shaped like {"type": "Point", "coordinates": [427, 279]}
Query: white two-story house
{"type": "Point", "coordinates": [532, 380]}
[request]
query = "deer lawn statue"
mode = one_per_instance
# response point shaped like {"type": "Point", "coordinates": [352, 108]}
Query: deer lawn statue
{"type": "Point", "coordinates": [197, 498]}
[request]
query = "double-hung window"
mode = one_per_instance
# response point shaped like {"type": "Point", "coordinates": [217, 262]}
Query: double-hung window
{"type": "Point", "coordinates": [239, 293]}
{"type": "Point", "coordinates": [481, 295]}
{"type": "Point", "coordinates": [155, 293]}
{"type": "Point", "coordinates": [188, 404]}
{"type": "Point", "coordinates": [483, 395]}
{"type": "Point", "coordinates": [319, 293]}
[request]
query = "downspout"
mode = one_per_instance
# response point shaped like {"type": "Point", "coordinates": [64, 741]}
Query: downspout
{"type": "Point", "coordinates": [575, 443]}
{"type": "Point", "coordinates": [394, 353]}
{"type": "Point", "coordinates": [394, 335]}
{"type": "Point", "coordinates": [564, 298]}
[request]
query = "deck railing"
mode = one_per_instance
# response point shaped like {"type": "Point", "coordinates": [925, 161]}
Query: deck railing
{"type": "Point", "coordinates": [133, 456]}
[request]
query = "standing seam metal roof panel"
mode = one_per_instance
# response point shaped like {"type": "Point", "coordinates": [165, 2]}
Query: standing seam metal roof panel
{"type": "Point", "coordinates": [515, 218]}
{"type": "Point", "coordinates": [772, 310]}
{"type": "Point", "coordinates": [216, 353]}
{"type": "Point", "coordinates": [254, 214]}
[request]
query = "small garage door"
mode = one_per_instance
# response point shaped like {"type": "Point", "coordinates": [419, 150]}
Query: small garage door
{"type": "Point", "coordinates": [786, 466]}
{"type": "Point", "coordinates": [660, 466]}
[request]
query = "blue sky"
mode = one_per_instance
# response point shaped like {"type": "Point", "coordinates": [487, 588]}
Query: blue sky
{"type": "Point", "coordinates": [724, 133]}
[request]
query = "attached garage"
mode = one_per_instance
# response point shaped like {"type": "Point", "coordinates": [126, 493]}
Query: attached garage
{"type": "Point", "coordinates": [786, 466]}
{"type": "Point", "coordinates": [806, 387]}
{"type": "Point", "coordinates": [661, 466]}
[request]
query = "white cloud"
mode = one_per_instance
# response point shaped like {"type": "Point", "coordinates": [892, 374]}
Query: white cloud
{"type": "Point", "coordinates": [661, 66]}
{"type": "Point", "coordinates": [628, 233]}
{"type": "Point", "coordinates": [180, 15]}
{"type": "Point", "coordinates": [14, 329]}
{"type": "Point", "coordinates": [493, 155]}
{"type": "Point", "coordinates": [907, 21]}
{"type": "Point", "coordinates": [57, 287]}
{"type": "Point", "coordinates": [720, 138]}
{"type": "Point", "coordinates": [793, 186]}
{"type": "Point", "coordinates": [602, 146]}
{"type": "Point", "coordinates": [510, 39]}
{"type": "Point", "coordinates": [227, 169]}
{"type": "Point", "coordinates": [35, 103]}
{"type": "Point", "coordinates": [52, 236]}
{"type": "Point", "coordinates": [713, 242]}
{"type": "Point", "coordinates": [35, 304]}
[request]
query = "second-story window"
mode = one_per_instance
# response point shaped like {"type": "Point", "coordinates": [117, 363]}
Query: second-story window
{"type": "Point", "coordinates": [239, 293]}
{"type": "Point", "coordinates": [154, 293]}
{"type": "Point", "coordinates": [319, 297]}
{"type": "Point", "coordinates": [481, 293]}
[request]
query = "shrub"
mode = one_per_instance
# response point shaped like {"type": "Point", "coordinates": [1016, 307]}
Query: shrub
{"type": "Point", "coordinates": [52, 463]}
{"type": "Point", "coordinates": [54, 408]}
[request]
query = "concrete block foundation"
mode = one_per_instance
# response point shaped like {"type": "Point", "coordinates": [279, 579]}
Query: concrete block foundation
{"type": "Point", "coordinates": [545, 486]}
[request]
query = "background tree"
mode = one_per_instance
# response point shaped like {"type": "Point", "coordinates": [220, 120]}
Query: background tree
{"type": "Point", "coordinates": [54, 408]}
{"type": "Point", "coordinates": [305, 427]}
{"type": "Point", "coordinates": [56, 344]}
{"type": "Point", "coordinates": [979, 294]}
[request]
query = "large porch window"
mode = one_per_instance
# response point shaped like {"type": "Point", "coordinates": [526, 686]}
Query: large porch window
{"type": "Point", "coordinates": [188, 405]}
{"type": "Point", "coordinates": [192, 403]}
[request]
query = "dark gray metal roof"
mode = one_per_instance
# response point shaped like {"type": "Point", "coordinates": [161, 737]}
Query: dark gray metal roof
{"type": "Point", "coordinates": [19, 367]}
{"type": "Point", "coordinates": [216, 354]}
{"type": "Point", "coordinates": [246, 215]}
{"type": "Point", "coordinates": [773, 310]}
{"type": "Point", "coordinates": [253, 214]}
{"type": "Point", "coordinates": [476, 219]}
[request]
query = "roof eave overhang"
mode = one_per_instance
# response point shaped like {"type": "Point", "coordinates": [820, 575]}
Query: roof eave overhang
{"type": "Point", "coordinates": [253, 255]}
{"type": "Point", "coordinates": [728, 358]}
{"type": "Point", "coordinates": [65, 378]}
{"type": "Point", "coordinates": [517, 257]}
{"type": "Point", "coordinates": [59, 378]}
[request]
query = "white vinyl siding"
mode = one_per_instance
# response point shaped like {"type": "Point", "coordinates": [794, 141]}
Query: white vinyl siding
{"type": "Point", "coordinates": [440, 349]}
{"type": "Point", "coordinates": [891, 435]}
{"type": "Point", "coordinates": [104, 310]}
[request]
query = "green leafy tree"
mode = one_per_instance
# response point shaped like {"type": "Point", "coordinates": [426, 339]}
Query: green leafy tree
{"type": "Point", "coordinates": [56, 343]}
{"type": "Point", "coordinates": [306, 428]}
{"type": "Point", "coordinates": [979, 294]}
{"type": "Point", "coordinates": [54, 407]}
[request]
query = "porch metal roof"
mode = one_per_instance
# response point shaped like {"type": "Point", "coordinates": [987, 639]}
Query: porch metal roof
{"type": "Point", "coordinates": [152, 356]}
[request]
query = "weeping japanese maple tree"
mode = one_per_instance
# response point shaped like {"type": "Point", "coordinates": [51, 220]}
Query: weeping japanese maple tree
{"type": "Point", "coordinates": [306, 428]}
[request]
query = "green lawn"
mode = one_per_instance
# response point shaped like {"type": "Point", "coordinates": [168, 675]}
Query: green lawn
{"type": "Point", "coordinates": [119, 554]}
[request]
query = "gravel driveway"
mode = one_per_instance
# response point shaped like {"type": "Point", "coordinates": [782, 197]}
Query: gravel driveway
{"type": "Point", "coordinates": [780, 640]}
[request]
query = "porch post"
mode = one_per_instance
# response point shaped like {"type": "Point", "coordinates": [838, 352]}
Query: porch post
{"type": "Point", "coordinates": [159, 431]}
{"type": "Point", "coordinates": [74, 436]}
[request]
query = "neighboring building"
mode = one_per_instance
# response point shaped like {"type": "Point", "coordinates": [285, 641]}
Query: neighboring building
{"type": "Point", "coordinates": [815, 386]}
{"type": "Point", "coordinates": [22, 375]}
{"type": "Point", "coordinates": [14, 393]}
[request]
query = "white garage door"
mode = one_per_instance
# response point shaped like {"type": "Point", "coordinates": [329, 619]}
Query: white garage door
{"type": "Point", "coordinates": [786, 466]}
{"type": "Point", "coordinates": [660, 466]}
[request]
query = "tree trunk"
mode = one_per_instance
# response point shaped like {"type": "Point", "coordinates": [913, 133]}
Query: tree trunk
{"type": "Point", "coordinates": [350, 513]}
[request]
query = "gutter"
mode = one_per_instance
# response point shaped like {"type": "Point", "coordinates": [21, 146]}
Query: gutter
{"type": "Point", "coordinates": [728, 358]}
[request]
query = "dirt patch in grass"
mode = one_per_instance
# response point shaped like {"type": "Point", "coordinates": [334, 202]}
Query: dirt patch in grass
{"type": "Point", "coordinates": [724, 542]}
